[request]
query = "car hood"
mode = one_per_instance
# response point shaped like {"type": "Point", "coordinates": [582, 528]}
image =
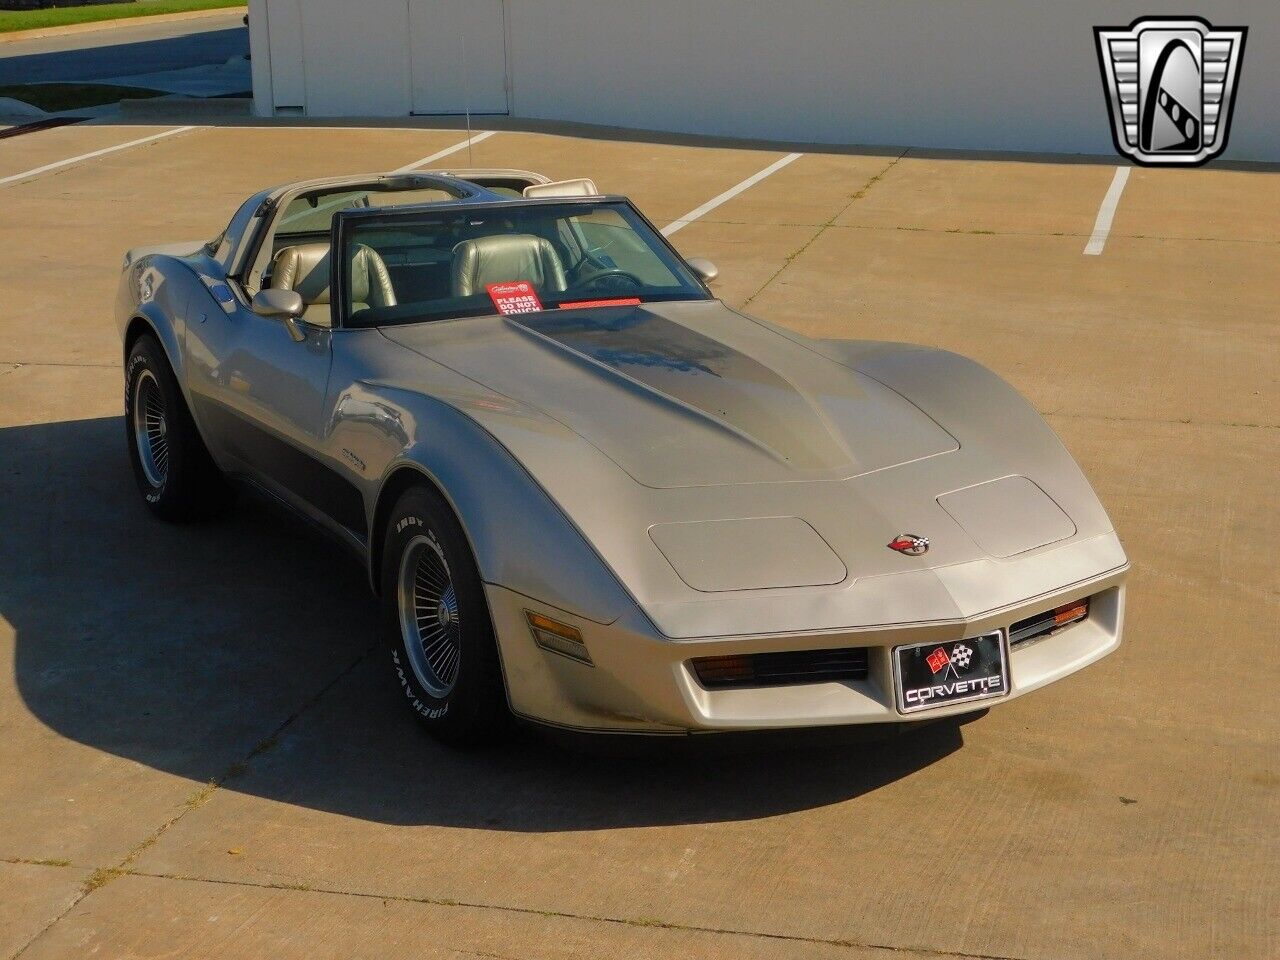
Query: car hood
{"type": "Point", "coordinates": [688, 394]}
{"type": "Point", "coordinates": [741, 479]}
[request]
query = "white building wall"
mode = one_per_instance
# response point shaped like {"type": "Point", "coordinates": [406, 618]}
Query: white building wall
{"type": "Point", "coordinates": [332, 58]}
{"type": "Point", "coordinates": [974, 74]}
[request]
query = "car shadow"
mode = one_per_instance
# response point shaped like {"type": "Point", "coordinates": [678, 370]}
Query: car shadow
{"type": "Point", "coordinates": [241, 650]}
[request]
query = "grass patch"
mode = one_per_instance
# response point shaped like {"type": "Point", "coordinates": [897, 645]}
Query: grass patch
{"type": "Point", "coordinates": [72, 96]}
{"type": "Point", "coordinates": [11, 20]}
{"type": "Point", "coordinates": [101, 877]}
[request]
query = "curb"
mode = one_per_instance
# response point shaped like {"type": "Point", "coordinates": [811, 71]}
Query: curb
{"type": "Point", "coordinates": [39, 33]}
{"type": "Point", "coordinates": [184, 107]}
{"type": "Point", "coordinates": [48, 123]}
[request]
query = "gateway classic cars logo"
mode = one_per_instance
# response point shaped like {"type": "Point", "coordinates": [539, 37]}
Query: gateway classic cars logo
{"type": "Point", "coordinates": [1170, 84]}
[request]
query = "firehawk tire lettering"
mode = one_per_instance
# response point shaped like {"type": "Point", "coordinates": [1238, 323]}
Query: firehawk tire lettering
{"type": "Point", "coordinates": [408, 692]}
{"type": "Point", "coordinates": [471, 706]}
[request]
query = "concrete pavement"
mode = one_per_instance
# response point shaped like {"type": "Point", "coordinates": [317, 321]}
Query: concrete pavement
{"type": "Point", "coordinates": [202, 754]}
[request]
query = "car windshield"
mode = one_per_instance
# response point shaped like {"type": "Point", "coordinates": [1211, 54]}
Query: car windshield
{"type": "Point", "coordinates": [517, 258]}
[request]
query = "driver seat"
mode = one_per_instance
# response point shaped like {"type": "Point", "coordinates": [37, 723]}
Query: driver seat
{"type": "Point", "coordinates": [504, 258]}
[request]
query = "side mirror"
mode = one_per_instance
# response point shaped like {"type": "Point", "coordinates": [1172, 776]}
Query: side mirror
{"type": "Point", "coordinates": [703, 269]}
{"type": "Point", "coordinates": [285, 305]}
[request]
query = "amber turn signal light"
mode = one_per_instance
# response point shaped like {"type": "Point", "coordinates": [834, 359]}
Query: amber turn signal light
{"type": "Point", "coordinates": [1071, 612]}
{"type": "Point", "coordinates": [558, 637]}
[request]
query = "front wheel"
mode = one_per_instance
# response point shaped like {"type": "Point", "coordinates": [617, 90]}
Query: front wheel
{"type": "Point", "coordinates": [436, 623]}
{"type": "Point", "coordinates": [175, 474]}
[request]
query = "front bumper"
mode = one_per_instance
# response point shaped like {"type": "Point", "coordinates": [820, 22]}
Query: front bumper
{"type": "Point", "coordinates": [640, 682]}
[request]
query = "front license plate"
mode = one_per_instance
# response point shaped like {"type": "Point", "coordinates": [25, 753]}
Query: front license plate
{"type": "Point", "coordinates": [938, 674]}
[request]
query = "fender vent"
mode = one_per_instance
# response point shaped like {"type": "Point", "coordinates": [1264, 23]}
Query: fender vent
{"type": "Point", "coordinates": [781, 669]}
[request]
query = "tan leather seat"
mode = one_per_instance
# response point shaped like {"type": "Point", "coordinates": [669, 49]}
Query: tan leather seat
{"type": "Point", "coordinates": [503, 258]}
{"type": "Point", "coordinates": [305, 269]}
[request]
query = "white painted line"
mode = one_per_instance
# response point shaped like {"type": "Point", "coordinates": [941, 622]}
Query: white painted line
{"type": "Point", "coordinates": [89, 156]}
{"type": "Point", "coordinates": [447, 151]}
{"type": "Point", "coordinates": [751, 181]}
{"type": "Point", "coordinates": [1106, 213]}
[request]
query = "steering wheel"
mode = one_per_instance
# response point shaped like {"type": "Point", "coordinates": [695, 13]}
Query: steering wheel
{"type": "Point", "coordinates": [613, 279]}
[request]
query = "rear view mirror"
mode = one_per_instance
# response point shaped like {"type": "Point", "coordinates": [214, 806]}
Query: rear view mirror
{"type": "Point", "coordinates": [286, 305]}
{"type": "Point", "coordinates": [703, 269]}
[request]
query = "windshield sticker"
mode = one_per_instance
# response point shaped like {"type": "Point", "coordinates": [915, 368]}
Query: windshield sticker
{"type": "Point", "coordinates": [516, 297]}
{"type": "Point", "coordinates": [615, 302]}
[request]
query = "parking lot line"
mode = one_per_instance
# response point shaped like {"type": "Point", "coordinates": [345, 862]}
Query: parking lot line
{"type": "Point", "coordinates": [681, 222]}
{"type": "Point", "coordinates": [1106, 213]}
{"type": "Point", "coordinates": [26, 175]}
{"type": "Point", "coordinates": [447, 151]}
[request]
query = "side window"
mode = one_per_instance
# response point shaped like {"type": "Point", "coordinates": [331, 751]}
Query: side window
{"type": "Point", "coordinates": [240, 232]}
{"type": "Point", "coordinates": [306, 223]}
{"type": "Point", "coordinates": [314, 212]}
{"type": "Point", "coordinates": [307, 219]}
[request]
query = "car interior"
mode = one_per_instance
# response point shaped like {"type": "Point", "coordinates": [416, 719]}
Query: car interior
{"type": "Point", "coordinates": [304, 268]}
{"type": "Point", "coordinates": [439, 266]}
{"type": "Point", "coordinates": [300, 239]}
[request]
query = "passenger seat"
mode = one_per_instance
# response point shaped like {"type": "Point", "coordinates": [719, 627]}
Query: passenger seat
{"type": "Point", "coordinates": [305, 269]}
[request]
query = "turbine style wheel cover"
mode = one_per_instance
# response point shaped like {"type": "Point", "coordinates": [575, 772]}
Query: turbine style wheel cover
{"type": "Point", "coordinates": [151, 428]}
{"type": "Point", "coordinates": [429, 618]}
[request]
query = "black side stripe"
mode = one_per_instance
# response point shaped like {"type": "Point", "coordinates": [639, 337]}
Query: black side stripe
{"type": "Point", "coordinates": [320, 485]}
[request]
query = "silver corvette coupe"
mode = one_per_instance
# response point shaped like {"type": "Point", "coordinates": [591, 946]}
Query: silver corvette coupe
{"type": "Point", "coordinates": [590, 494]}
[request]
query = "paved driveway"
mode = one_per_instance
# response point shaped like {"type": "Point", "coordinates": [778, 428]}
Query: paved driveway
{"type": "Point", "coordinates": [201, 754]}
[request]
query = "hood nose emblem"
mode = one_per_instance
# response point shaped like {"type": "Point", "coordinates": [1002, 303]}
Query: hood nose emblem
{"type": "Point", "coordinates": [910, 544]}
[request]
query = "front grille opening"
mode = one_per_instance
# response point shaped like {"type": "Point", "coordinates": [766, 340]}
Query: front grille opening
{"type": "Point", "coordinates": [1043, 624]}
{"type": "Point", "coordinates": [781, 669]}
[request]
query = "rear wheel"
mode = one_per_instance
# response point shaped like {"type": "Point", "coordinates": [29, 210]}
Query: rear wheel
{"type": "Point", "coordinates": [175, 474]}
{"type": "Point", "coordinates": [436, 623]}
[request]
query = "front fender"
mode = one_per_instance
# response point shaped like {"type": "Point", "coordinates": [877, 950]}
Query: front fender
{"type": "Point", "coordinates": [520, 539]}
{"type": "Point", "coordinates": [158, 291]}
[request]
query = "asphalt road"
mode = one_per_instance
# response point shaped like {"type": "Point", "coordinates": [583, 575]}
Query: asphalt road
{"type": "Point", "coordinates": [125, 51]}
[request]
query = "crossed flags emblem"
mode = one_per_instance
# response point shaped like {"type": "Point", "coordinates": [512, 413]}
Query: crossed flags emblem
{"type": "Point", "coordinates": [958, 659]}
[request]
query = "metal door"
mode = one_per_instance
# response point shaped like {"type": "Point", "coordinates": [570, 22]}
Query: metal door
{"type": "Point", "coordinates": [259, 398]}
{"type": "Point", "coordinates": [284, 44]}
{"type": "Point", "coordinates": [458, 56]}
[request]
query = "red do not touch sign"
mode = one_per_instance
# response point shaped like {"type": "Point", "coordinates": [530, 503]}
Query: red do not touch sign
{"type": "Point", "coordinates": [515, 297]}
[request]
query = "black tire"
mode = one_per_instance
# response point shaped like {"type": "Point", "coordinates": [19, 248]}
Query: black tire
{"type": "Point", "coordinates": [175, 474]}
{"type": "Point", "coordinates": [458, 696]}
